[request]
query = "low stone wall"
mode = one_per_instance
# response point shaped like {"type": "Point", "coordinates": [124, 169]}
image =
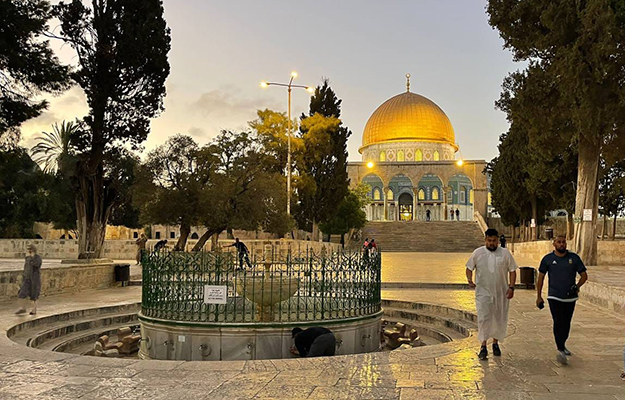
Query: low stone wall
{"type": "Point", "coordinates": [126, 249]}
{"type": "Point", "coordinates": [609, 252]}
{"type": "Point", "coordinates": [66, 279]}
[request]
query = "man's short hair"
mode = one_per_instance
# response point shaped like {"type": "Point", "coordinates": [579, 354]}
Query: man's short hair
{"type": "Point", "coordinates": [295, 331]}
{"type": "Point", "coordinates": [563, 236]}
{"type": "Point", "coordinates": [490, 232]}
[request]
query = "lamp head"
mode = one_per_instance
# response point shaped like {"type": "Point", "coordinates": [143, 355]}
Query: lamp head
{"type": "Point", "coordinates": [370, 164]}
{"type": "Point", "coordinates": [310, 89]}
{"type": "Point", "coordinates": [264, 84]}
{"type": "Point", "coordinates": [460, 163]}
{"type": "Point", "coordinates": [294, 74]}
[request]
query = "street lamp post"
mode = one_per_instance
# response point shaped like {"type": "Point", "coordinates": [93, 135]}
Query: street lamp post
{"type": "Point", "coordinates": [289, 87]}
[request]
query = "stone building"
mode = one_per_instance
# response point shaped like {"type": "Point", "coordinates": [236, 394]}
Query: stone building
{"type": "Point", "coordinates": [409, 161]}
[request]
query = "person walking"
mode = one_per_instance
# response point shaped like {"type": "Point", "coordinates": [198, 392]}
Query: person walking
{"type": "Point", "coordinates": [313, 342]}
{"type": "Point", "coordinates": [457, 214]}
{"type": "Point", "coordinates": [502, 240]}
{"type": "Point", "coordinates": [141, 242]}
{"type": "Point", "coordinates": [160, 245]}
{"type": "Point", "coordinates": [427, 215]}
{"type": "Point", "coordinates": [373, 248]}
{"type": "Point", "coordinates": [562, 266]}
{"type": "Point", "coordinates": [243, 253]}
{"type": "Point", "coordinates": [31, 280]}
{"type": "Point", "coordinates": [451, 214]}
{"type": "Point", "coordinates": [495, 276]}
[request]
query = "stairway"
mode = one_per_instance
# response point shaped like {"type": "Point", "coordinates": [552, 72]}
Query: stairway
{"type": "Point", "coordinates": [421, 236]}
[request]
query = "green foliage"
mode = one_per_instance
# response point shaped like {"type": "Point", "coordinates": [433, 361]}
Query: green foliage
{"type": "Point", "coordinates": [52, 146]}
{"type": "Point", "coordinates": [121, 52]}
{"type": "Point", "coordinates": [612, 189]}
{"type": "Point", "coordinates": [23, 197]}
{"type": "Point", "coordinates": [271, 129]}
{"type": "Point", "coordinates": [322, 183]}
{"type": "Point", "coordinates": [28, 65]}
{"type": "Point", "coordinates": [350, 214]}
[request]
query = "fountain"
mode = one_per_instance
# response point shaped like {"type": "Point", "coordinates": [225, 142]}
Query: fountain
{"type": "Point", "coordinates": [197, 306]}
{"type": "Point", "coordinates": [267, 290]}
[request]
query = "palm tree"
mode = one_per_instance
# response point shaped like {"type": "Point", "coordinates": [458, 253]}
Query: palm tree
{"type": "Point", "coordinates": [53, 145]}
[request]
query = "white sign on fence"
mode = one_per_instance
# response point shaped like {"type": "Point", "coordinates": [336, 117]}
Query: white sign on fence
{"type": "Point", "coordinates": [587, 214]}
{"type": "Point", "coordinates": [215, 294]}
{"type": "Point", "coordinates": [533, 223]}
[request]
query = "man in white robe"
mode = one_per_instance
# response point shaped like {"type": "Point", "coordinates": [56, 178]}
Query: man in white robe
{"type": "Point", "coordinates": [492, 265]}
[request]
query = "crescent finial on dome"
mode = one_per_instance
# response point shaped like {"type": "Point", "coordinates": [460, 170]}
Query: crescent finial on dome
{"type": "Point", "coordinates": [408, 82]}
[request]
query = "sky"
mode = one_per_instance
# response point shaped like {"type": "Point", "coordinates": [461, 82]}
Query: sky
{"type": "Point", "coordinates": [221, 50]}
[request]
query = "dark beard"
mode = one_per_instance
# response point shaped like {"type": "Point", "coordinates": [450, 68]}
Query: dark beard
{"type": "Point", "coordinates": [493, 249]}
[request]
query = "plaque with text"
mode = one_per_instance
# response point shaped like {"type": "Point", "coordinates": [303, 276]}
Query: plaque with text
{"type": "Point", "coordinates": [215, 294]}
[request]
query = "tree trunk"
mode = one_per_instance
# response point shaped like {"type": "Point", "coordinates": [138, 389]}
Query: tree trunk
{"type": "Point", "coordinates": [569, 226]}
{"type": "Point", "coordinates": [229, 233]}
{"type": "Point", "coordinates": [603, 228]}
{"type": "Point", "coordinates": [185, 230]}
{"type": "Point", "coordinates": [215, 241]}
{"type": "Point", "coordinates": [92, 213]}
{"type": "Point", "coordinates": [204, 238]}
{"type": "Point", "coordinates": [315, 231]}
{"type": "Point", "coordinates": [614, 228]}
{"type": "Point", "coordinates": [586, 199]}
{"type": "Point", "coordinates": [534, 229]}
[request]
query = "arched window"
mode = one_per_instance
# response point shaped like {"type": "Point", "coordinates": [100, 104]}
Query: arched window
{"type": "Point", "coordinates": [195, 236]}
{"type": "Point", "coordinates": [471, 196]}
{"type": "Point", "coordinates": [135, 235]}
{"type": "Point", "coordinates": [400, 155]}
{"type": "Point", "coordinates": [463, 195]}
{"type": "Point", "coordinates": [377, 195]}
{"type": "Point", "coordinates": [490, 199]}
{"type": "Point", "coordinates": [421, 194]}
{"type": "Point", "coordinates": [382, 156]}
{"type": "Point", "coordinates": [435, 193]}
{"type": "Point", "coordinates": [418, 155]}
{"type": "Point", "coordinates": [389, 195]}
{"type": "Point", "coordinates": [437, 156]}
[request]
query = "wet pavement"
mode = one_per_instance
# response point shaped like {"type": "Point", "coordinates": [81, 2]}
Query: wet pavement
{"type": "Point", "coordinates": [526, 371]}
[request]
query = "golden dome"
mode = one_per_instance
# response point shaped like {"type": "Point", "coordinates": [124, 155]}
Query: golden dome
{"type": "Point", "coordinates": [408, 117]}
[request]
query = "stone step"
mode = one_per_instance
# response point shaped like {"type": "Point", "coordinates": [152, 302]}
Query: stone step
{"type": "Point", "coordinates": [420, 236]}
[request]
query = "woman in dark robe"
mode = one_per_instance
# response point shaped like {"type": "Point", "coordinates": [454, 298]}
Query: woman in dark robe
{"type": "Point", "coordinates": [31, 282]}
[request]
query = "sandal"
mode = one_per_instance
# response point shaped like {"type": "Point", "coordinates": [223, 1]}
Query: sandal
{"type": "Point", "coordinates": [623, 376]}
{"type": "Point", "coordinates": [33, 312]}
{"type": "Point", "coordinates": [20, 311]}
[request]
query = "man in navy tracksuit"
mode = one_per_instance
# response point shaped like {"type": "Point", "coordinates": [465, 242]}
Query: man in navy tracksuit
{"type": "Point", "coordinates": [562, 266]}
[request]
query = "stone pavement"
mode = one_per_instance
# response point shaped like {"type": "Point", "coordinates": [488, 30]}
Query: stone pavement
{"type": "Point", "coordinates": [451, 371]}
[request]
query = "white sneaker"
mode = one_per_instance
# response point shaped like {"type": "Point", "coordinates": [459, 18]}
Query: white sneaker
{"type": "Point", "coordinates": [562, 358]}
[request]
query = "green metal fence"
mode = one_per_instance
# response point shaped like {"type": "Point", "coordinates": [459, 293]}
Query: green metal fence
{"type": "Point", "coordinates": [286, 287]}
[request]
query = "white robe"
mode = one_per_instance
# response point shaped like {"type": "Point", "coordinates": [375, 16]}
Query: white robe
{"type": "Point", "coordinates": [491, 279]}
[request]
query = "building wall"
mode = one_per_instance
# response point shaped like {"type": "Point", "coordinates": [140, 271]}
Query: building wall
{"type": "Point", "coordinates": [609, 252]}
{"type": "Point", "coordinates": [127, 250]}
{"type": "Point", "coordinates": [71, 279]}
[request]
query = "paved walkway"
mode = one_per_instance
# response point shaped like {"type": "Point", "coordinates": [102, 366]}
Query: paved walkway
{"type": "Point", "coordinates": [451, 371]}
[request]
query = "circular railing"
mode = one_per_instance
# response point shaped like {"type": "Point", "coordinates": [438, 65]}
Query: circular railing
{"type": "Point", "coordinates": [278, 288]}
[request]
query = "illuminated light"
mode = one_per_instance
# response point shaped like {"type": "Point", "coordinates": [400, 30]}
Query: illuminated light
{"type": "Point", "coordinates": [370, 164]}
{"type": "Point", "coordinates": [294, 74]}
{"type": "Point", "coordinates": [459, 163]}
{"type": "Point", "coordinates": [310, 89]}
{"type": "Point", "coordinates": [264, 84]}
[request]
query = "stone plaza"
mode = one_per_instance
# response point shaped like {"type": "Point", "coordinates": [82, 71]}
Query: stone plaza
{"type": "Point", "coordinates": [527, 369]}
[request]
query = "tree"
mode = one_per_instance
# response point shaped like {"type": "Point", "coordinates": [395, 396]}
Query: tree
{"type": "Point", "coordinates": [23, 197]}
{"type": "Point", "coordinates": [28, 66]}
{"type": "Point", "coordinates": [612, 191]}
{"type": "Point", "coordinates": [175, 173]}
{"type": "Point", "coordinates": [247, 192]}
{"type": "Point", "coordinates": [121, 48]}
{"type": "Point", "coordinates": [53, 146]}
{"type": "Point", "coordinates": [271, 129]}
{"type": "Point", "coordinates": [351, 215]}
{"type": "Point", "coordinates": [578, 46]}
{"type": "Point", "coordinates": [322, 163]}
